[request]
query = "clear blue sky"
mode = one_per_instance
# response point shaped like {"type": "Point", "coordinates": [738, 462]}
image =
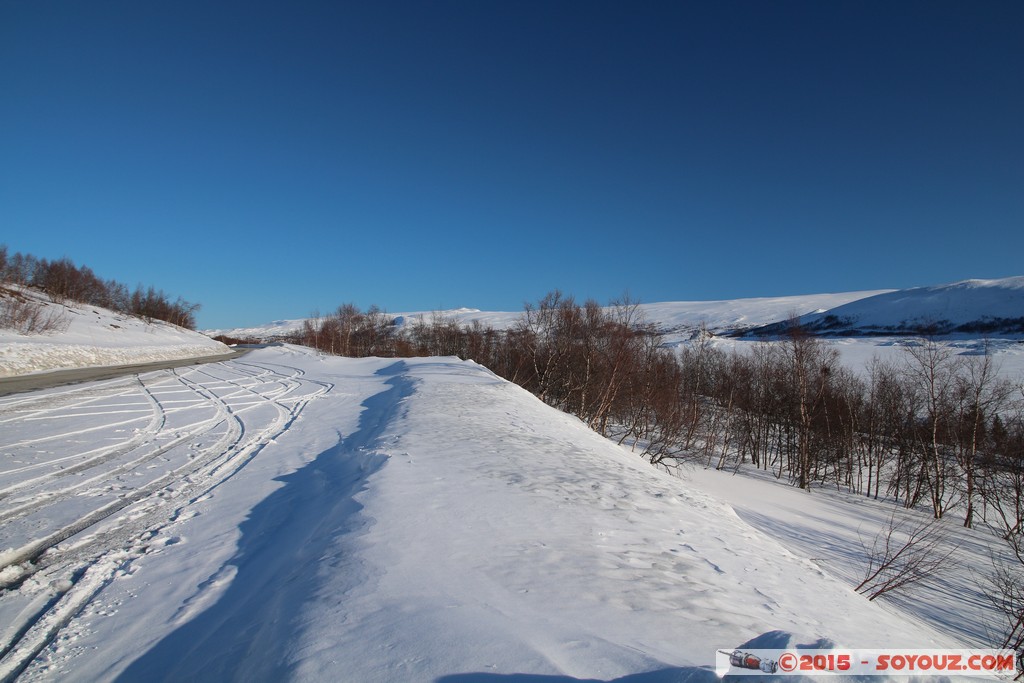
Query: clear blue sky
{"type": "Point", "coordinates": [268, 159]}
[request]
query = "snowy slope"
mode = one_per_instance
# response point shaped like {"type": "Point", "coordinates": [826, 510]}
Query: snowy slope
{"type": "Point", "coordinates": [971, 306]}
{"type": "Point", "coordinates": [833, 527]}
{"type": "Point", "coordinates": [95, 336]}
{"type": "Point", "coordinates": [322, 519]}
{"type": "Point", "coordinates": [740, 314]}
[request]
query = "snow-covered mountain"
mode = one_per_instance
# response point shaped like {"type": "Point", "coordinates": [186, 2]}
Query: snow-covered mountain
{"type": "Point", "coordinates": [974, 307]}
{"type": "Point", "coordinates": [677, 318]}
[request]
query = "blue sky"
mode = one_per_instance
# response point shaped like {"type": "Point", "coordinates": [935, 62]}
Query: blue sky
{"type": "Point", "coordinates": [269, 159]}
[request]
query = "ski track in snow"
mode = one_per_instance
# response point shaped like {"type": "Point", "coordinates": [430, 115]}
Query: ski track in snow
{"type": "Point", "coordinates": [76, 515]}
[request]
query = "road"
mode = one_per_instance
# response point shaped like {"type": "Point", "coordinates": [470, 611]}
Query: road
{"type": "Point", "coordinates": [57, 378]}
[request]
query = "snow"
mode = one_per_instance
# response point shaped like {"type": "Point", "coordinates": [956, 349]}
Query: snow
{"type": "Point", "coordinates": [293, 516]}
{"type": "Point", "coordinates": [739, 314]}
{"type": "Point", "coordinates": [833, 528]}
{"type": "Point", "coordinates": [95, 336]}
{"type": "Point", "coordinates": [958, 303]}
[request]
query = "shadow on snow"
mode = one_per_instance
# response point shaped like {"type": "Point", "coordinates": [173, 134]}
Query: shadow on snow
{"type": "Point", "coordinates": [248, 632]}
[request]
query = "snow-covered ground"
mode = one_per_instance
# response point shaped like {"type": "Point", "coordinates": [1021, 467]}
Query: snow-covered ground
{"type": "Point", "coordinates": [93, 336]}
{"type": "Point", "coordinates": [867, 313]}
{"type": "Point", "coordinates": [834, 529]}
{"type": "Point", "coordinates": [289, 516]}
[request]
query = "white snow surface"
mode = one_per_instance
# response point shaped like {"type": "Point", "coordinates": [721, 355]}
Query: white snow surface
{"type": "Point", "coordinates": [287, 516]}
{"type": "Point", "coordinates": [739, 314]}
{"type": "Point", "coordinates": [958, 303]}
{"type": "Point", "coordinates": [96, 336]}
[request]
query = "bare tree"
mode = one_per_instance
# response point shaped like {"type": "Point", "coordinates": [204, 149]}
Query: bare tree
{"type": "Point", "coordinates": [903, 554]}
{"type": "Point", "coordinates": [931, 369]}
{"type": "Point", "coordinates": [619, 347]}
{"type": "Point", "coordinates": [981, 396]}
{"type": "Point", "coordinates": [809, 365]}
{"type": "Point", "coordinates": [1001, 469]}
{"type": "Point", "coordinates": [1005, 591]}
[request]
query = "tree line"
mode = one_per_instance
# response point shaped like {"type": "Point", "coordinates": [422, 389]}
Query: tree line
{"type": "Point", "coordinates": [63, 281]}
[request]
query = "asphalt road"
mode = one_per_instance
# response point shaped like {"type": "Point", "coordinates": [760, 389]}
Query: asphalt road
{"type": "Point", "coordinates": [45, 380]}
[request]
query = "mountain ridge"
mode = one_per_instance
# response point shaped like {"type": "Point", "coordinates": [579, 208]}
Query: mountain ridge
{"type": "Point", "coordinates": [971, 307]}
{"type": "Point", "coordinates": [978, 307]}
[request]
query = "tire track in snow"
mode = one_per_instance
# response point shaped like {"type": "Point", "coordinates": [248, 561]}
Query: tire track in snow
{"type": "Point", "coordinates": [76, 567]}
{"type": "Point", "coordinates": [48, 497]}
{"type": "Point", "coordinates": [56, 399]}
{"type": "Point", "coordinates": [30, 553]}
{"type": "Point", "coordinates": [95, 457]}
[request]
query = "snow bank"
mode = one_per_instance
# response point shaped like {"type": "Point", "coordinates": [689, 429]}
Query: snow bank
{"type": "Point", "coordinates": [97, 337]}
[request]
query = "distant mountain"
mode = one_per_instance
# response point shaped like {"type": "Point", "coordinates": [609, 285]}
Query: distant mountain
{"type": "Point", "coordinates": [733, 316]}
{"type": "Point", "coordinates": [678, 319]}
{"type": "Point", "coordinates": [974, 307]}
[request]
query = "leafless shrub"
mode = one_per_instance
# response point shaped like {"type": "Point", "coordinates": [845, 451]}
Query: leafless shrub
{"type": "Point", "coordinates": [1005, 591]}
{"type": "Point", "coordinates": [903, 554]}
{"type": "Point", "coordinates": [1004, 588]}
{"type": "Point", "coordinates": [63, 281]}
{"type": "Point", "coordinates": [26, 315]}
